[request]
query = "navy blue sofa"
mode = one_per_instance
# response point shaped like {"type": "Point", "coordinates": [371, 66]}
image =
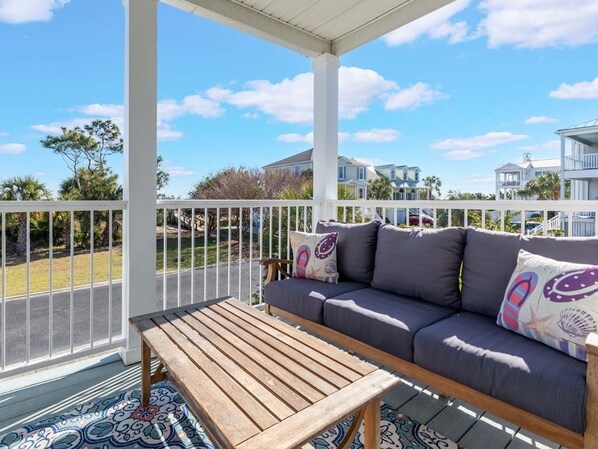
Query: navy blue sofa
{"type": "Point", "coordinates": [425, 302]}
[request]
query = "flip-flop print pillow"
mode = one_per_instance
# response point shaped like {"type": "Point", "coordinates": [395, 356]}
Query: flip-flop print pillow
{"type": "Point", "coordinates": [553, 302]}
{"type": "Point", "coordinates": [314, 256]}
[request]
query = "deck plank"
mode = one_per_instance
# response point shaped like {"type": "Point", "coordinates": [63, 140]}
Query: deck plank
{"type": "Point", "coordinates": [528, 440]}
{"type": "Point", "coordinates": [425, 406]}
{"type": "Point", "coordinates": [489, 432]}
{"type": "Point", "coordinates": [455, 420]}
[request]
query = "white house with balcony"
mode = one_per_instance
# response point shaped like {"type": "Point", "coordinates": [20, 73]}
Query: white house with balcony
{"type": "Point", "coordinates": [356, 175]}
{"type": "Point", "coordinates": [579, 158]}
{"type": "Point", "coordinates": [511, 177]}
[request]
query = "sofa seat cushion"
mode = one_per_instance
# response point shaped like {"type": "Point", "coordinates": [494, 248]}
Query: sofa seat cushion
{"type": "Point", "coordinates": [420, 263]}
{"type": "Point", "coordinates": [382, 319]}
{"type": "Point", "coordinates": [471, 349]}
{"type": "Point", "coordinates": [305, 297]}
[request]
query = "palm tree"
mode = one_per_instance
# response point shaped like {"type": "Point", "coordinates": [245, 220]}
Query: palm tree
{"type": "Point", "coordinates": [546, 187]}
{"type": "Point", "coordinates": [380, 189]}
{"type": "Point", "coordinates": [23, 188]}
{"type": "Point", "coordinates": [433, 183]}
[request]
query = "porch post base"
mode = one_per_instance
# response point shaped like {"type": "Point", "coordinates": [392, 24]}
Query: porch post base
{"type": "Point", "coordinates": [130, 356]}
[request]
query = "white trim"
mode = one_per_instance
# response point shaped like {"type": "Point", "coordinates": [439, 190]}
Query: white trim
{"type": "Point", "coordinates": [251, 21]}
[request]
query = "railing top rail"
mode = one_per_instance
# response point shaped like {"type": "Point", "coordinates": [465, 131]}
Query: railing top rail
{"type": "Point", "coordinates": [529, 205]}
{"type": "Point", "coordinates": [60, 206]}
{"type": "Point", "coordinates": [188, 204]}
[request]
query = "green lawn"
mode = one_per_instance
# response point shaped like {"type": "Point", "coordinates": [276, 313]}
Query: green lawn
{"type": "Point", "coordinates": [16, 269]}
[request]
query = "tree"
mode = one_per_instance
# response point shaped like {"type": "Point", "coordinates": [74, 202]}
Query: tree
{"type": "Point", "coordinates": [86, 149]}
{"type": "Point", "coordinates": [23, 188]}
{"type": "Point", "coordinates": [433, 184]}
{"type": "Point", "coordinates": [163, 177]}
{"type": "Point", "coordinates": [380, 189]}
{"type": "Point", "coordinates": [546, 187]}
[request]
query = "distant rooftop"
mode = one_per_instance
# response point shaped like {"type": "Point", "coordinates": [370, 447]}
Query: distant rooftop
{"type": "Point", "coordinates": [299, 158]}
{"type": "Point", "coordinates": [585, 132]}
{"type": "Point", "coordinates": [533, 163]}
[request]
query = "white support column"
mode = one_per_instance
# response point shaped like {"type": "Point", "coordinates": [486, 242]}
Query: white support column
{"type": "Point", "coordinates": [325, 155]}
{"type": "Point", "coordinates": [563, 145]}
{"type": "Point", "coordinates": [139, 240]}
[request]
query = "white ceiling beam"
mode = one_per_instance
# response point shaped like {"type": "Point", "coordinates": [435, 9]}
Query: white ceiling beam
{"type": "Point", "coordinates": [252, 21]}
{"type": "Point", "coordinates": [395, 18]}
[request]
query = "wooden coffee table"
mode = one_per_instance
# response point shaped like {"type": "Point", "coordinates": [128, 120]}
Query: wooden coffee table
{"type": "Point", "coordinates": [255, 382]}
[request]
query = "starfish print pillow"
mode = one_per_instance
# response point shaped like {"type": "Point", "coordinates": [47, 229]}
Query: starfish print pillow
{"type": "Point", "coordinates": [553, 302]}
{"type": "Point", "coordinates": [314, 256]}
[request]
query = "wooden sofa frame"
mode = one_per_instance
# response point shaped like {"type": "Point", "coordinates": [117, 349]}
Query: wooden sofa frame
{"type": "Point", "coordinates": [522, 418]}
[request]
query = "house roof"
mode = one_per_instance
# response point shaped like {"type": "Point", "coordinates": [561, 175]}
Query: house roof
{"type": "Point", "coordinates": [536, 163]}
{"type": "Point", "coordinates": [313, 27]}
{"type": "Point", "coordinates": [299, 158]}
{"type": "Point", "coordinates": [585, 132]}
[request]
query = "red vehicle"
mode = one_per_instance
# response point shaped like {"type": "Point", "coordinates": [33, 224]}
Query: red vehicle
{"type": "Point", "coordinates": [426, 221]}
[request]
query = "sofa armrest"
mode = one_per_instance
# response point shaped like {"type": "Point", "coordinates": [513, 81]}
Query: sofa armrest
{"type": "Point", "coordinates": [592, 344]}
{"type": "Point", "coordinates": [275, 266]}
{"type": "Point", "coordinates": [590, 437]}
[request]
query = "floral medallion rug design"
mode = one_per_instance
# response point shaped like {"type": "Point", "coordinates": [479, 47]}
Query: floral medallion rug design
{"type": "Point", "coordinates": [120, 422]}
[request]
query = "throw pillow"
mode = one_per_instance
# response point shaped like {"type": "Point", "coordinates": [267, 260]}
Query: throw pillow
{"type": "Point", "coordinates": [553, 302]}
{"type": "Point", "coordinates": [314, 256]}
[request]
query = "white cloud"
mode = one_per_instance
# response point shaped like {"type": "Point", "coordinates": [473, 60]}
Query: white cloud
{"type": "Point", "coordinates": [539, 23]}
{"type": "Point", "coordinates": [251, 115]}
{"type": "Point", "coordinates": [291, 100]}
{"type": "Point", "coordinates": [12, 148]}
{"type": "Point", "coordinates": [461, 155]}
{"type": "Point", "coordinates": [168, 110]}
{"type": "Point", "coordinates": [551, 145]}
{"type": "Point", "coordinates": [413, 97]}
{"type": "Point", "coordinates": [584, 90]}
{"type": "Point", "coordinates": [295, 138]}
{"type": "Point", "coordinates": [179, 172]}
{"type": "Point", "coordinates": [488, 140]}
{"type": "Point", "coordinates": [23, 11]}
{"type": "Point", "coordinates": [536, 119]}
{"type": "Point", "coordinates": [375, 135]}
{"type": "Point", "coordinates": [436, 25]}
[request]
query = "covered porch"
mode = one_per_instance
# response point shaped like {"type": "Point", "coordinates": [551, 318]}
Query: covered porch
{"type": "Point", "coordinates": [208, 249]}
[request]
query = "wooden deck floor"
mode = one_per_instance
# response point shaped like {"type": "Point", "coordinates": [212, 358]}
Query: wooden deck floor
{"type": "Point", "coordinates": [29, 398]}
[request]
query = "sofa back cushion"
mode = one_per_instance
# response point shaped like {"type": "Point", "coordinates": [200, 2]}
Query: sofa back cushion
{"type": "Point", "coordinates": [491, 257]}
{"type": "Point", "coordinates": [355, 250]}
{"type": "Point", "coordinates": [421, 263]}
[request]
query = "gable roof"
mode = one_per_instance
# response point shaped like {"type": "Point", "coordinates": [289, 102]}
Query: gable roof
{"type": "Point", "coordinates": [299, 158]}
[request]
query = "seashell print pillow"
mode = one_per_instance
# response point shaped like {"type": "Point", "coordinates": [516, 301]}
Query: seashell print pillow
{"type": "Point", "coordinates": [314, 256]}
{"type": "Point", "coordinates": [553, 302]}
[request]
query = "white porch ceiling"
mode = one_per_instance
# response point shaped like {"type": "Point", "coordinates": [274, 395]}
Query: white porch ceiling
{"type": "Point", "coordinates": [313, 27]}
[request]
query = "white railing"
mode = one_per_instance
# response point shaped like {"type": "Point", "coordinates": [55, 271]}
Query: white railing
{"type": "Point", "coordinates": [212, 248]}
{"type": "Point", "coordinates": [581, 162]}
{"type": "Point", "coordinates": [61, 277]}
{"type": "Point", "coordinates": [509, 183]}
{"type": "Point", "coordinates": [60, 295]}
{"type": "Point", "coordinates": [519, 216]}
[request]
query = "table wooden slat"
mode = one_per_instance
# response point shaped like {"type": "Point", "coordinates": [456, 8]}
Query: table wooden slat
{"type": "Point", "coordinates": [247, 377]}
{"type": "Point", "coordinates": [272, 336]}
{"type": "Point", "coordinates": [245, 402]}
{"type": "Point", "coordinates": [214, 408]}
{"type": "Point", "coordinates": [277, 368]}
{"type": "Point", "coordinates": [342, 357]}
{"type": "Point", "coordinates": [317, 418]}
{"type": "Point", "coordinates": [291, 389]}
{"type": "Point", "coordinates": [319, 375]}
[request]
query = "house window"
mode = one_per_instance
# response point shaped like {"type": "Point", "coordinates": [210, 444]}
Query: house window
{"type": "Point", "coordinates": [393, 173]}
{"type": "Point", "coordinates": [360, 172]}
{"type": "Point", "coordinates": [361, 193]}
{"type": "Point", "coordinates": [539, 173]}
{"type": "Point", "coordinates": [296, 169]}
{"type": "Point", "coordinates": [417, 176]}
{"type": "Point", "coordinates": [405, 174]}
{"type": "Point", "coordinates": [341, 172]}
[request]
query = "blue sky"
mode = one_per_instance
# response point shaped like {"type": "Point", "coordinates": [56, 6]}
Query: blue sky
{"type": "Point", "coordinates": [469, 87]}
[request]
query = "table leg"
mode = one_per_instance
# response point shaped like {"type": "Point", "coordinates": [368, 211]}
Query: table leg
{"type": "Point", "coordinates": [372, 425]}
{"type": "Point", "coordinates": [146, 373]}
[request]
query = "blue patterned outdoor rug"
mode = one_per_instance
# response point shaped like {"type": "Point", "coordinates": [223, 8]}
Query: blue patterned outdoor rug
{"type": "Point", "coordinates": [120, 422]}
